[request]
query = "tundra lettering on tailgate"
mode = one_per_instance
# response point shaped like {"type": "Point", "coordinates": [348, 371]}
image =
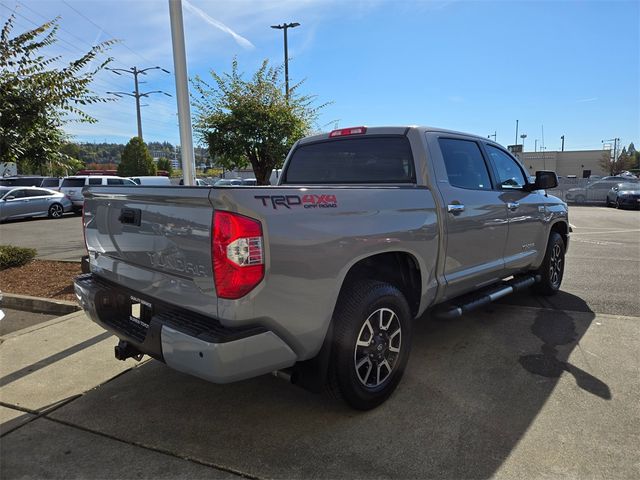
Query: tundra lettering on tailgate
{"type": "Point", "coordinates": [306, 201]}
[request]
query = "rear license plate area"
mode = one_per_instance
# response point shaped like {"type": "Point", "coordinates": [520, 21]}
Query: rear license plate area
{"type": "Point", "coordinates": [140, 311]}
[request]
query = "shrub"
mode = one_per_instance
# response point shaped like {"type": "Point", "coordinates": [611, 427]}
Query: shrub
{"type": "Point", "coordinates": [11, 256]}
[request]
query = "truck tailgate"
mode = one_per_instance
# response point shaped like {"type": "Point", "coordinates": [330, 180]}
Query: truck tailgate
{"type": "Point", "coordinates": [155, 240]}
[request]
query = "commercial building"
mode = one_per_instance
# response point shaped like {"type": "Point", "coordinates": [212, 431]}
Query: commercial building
{"type": "Point", "coordinates": [581, 163]}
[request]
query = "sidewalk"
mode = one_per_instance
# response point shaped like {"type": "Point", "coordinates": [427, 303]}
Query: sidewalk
{"type": "Point", "coordinates": [505, 392]}
{"type": "Point", "coordinates": [47, 366]}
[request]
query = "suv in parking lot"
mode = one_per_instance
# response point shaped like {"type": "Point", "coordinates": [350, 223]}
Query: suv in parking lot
{"type": "Point", "coordinates": [72, 186]}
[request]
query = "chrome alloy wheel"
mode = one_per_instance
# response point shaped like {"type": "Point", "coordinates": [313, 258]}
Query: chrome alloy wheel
{"type": "Point", "coordinates": [377, 347]}
{"type": "Point", "coordinates": [555, 266]}
{"type": "Point", "coordinates": [56, 210]}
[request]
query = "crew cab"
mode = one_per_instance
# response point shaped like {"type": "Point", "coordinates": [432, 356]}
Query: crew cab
{"type": "Point", "coordinates": [320, 277]}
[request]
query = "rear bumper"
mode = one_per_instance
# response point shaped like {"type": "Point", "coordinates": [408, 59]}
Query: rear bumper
{"type": "Point", "coordinates": [186, 341]}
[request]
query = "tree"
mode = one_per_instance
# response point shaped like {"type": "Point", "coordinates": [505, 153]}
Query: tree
{"type": "Point", "coordinates": [136, 160]}
{"type": "Point", "coordinates": [250, 121]}
{"type": "Point", "coordinates": [38, 99]}
{"type": "Point", "coordinates": [165, 164]}
{"type": "Point", "coordinates": [616, 165]}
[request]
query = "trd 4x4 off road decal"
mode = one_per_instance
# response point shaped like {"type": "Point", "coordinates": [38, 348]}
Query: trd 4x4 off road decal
{"type": "Point", "coordinates": [305, 201]}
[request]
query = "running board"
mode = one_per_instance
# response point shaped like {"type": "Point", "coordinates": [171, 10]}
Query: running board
{"type": "Point", "coordinates": [456, 307]}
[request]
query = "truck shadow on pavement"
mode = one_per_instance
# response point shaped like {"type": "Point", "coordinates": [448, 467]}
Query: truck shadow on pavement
{"type": "Point", "coordinates": [472, 388]}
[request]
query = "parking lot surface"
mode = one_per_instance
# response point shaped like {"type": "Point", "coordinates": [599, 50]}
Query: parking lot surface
{"type": "Point", "coordinates": [526, 388]}
{"type": "Point", "coordinates": [55, 239]}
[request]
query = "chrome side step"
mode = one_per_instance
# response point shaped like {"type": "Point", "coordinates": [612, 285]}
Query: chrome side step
{"type": "Point", "coordinates": [456, 307]}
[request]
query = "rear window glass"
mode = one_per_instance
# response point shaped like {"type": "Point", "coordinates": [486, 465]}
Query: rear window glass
{"type": "Point", "coordinates": [354, 160]}
{"type": "Point", "coordinates": [50, 182]}
{"type": "Point", "coordinates": [72, 182]}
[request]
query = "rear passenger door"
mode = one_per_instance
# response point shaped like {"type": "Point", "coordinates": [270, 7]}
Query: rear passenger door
{"type": "Point", "coordinates": [474, 215]}
{"type": "Point", "coordinates": [525, 211]}
{"type": "Point", "coordinates": [38, 201]}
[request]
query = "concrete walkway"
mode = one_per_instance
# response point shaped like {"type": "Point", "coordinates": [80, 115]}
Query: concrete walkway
{"type": "Point", "coordinates": [509, 392]}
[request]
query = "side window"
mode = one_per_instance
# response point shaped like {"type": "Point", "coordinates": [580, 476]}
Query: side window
{"type": "Point", "coordinates": [18, 194]}
{"type": "Point", "coordinates": [95, 181]}
{"type": "Point", "coordinates": [509, 173]}
{"type": "Point", "coordinates": [464, 163]}
{"type": "Point", "coordinates": [114, 181]}
{"type": "Point", "coordinates": [37, 193]}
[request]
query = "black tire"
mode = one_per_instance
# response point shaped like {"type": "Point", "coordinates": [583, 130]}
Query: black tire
{"type": "Point", "coordinates": [552, 268]}
{"type": "Point", "coordinates": [56, 210]}
{"type": "Point", "coordinates": [618, 205]}
{"type": "Point", "coordinates": [369, 385]}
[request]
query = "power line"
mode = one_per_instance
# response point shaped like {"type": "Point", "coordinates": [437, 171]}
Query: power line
{"type": "Point", "coordinates": [86, 42]}
{"type": "Point", "coordinates": [105, 31]}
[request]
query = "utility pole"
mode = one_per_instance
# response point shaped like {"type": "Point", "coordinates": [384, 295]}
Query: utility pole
{"type": "Point", "coordinates": [516, 143]}
{"type": "Point", "coordinates": [562, 137]}
{"type": "Point", "coordinates": [284, 27]}
{"type": "Point", "coordinates": [494, 135]}
{"type": "Point", "coordinates": [535, 145]}
{"type": "Point", "coordinates": [136, 93]}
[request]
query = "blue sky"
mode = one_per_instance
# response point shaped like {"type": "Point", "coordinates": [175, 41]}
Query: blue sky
{"type": "Point", "coordinates": [474, 66]}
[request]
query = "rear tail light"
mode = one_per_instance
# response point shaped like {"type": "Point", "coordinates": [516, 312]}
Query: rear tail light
{"type": "Point", "coordinates": [342, 132]}
{"type": "Point", "coordinates": [238, 254]}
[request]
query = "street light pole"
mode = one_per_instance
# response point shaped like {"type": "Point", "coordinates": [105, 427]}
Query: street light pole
{"type": "Point", "coordinates": [182, 91]}
{"type": "Point", "coordinates": [136, 93]}
{"type": "Point", "coordinates": [523, 136]}
{"type": "Point", "coordinates": [285, 27]}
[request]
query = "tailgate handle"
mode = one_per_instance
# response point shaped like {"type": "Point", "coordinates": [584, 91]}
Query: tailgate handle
{"type": "Point", "coordinates": [130, 216]}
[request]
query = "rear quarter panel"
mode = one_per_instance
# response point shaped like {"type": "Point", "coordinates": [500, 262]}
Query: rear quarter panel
{"type": "Point", "coordinates": [310, 248]}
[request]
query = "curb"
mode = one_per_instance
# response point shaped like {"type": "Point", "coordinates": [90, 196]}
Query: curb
{"type": "Point", "coordinates": [38, 304]}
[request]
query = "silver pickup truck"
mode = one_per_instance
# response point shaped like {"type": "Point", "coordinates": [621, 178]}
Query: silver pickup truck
{"type": "Point", "coordinates": [320, 277]}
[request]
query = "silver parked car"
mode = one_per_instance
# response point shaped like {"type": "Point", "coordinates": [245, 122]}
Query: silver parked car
{"type": "Point", "coordinates": [21, 202]}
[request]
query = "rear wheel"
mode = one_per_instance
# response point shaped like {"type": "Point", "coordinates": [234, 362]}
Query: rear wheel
{"type": "Point", "coordinates": [56, 211]}
{"type": "Point", "coordinates": [552, 268]}
{"type": "Point", "coordinates": [372, 340]}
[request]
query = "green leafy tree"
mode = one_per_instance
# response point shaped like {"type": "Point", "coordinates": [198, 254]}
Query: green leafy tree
{"type": "Point", "coordinates": [617, 165]}
{"type": "Point", "coordinates": [165, 164]}
{"type": "Point", "coordinates": [136, 160]}
{"type": "Point", "coordinates": [37, 99]}
{"type": "Point", "coordinates": [251, 121]}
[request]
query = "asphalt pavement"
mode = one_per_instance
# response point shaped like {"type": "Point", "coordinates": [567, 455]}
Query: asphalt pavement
{"type": "Point", "coordinates": [525, 388]}
{"type": "Point", "coordinates": [54, 239]}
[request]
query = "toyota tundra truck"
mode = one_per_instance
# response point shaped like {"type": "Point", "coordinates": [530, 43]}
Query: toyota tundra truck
{"type": "Point", "coordinates": [319, 278]}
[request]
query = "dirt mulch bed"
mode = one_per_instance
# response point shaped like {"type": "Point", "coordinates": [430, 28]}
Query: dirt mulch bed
{"type": "Point", "coordinates": [41, 278]}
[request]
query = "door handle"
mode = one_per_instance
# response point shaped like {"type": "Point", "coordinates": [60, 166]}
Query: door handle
{"type": "Point", "coordinates": [455, 208]}
{"type": "Point", "coordinates": [513, 206]}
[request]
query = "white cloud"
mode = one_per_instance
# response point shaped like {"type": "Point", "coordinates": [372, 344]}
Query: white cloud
{"type": "Point", "coordinates": [243, 42]}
